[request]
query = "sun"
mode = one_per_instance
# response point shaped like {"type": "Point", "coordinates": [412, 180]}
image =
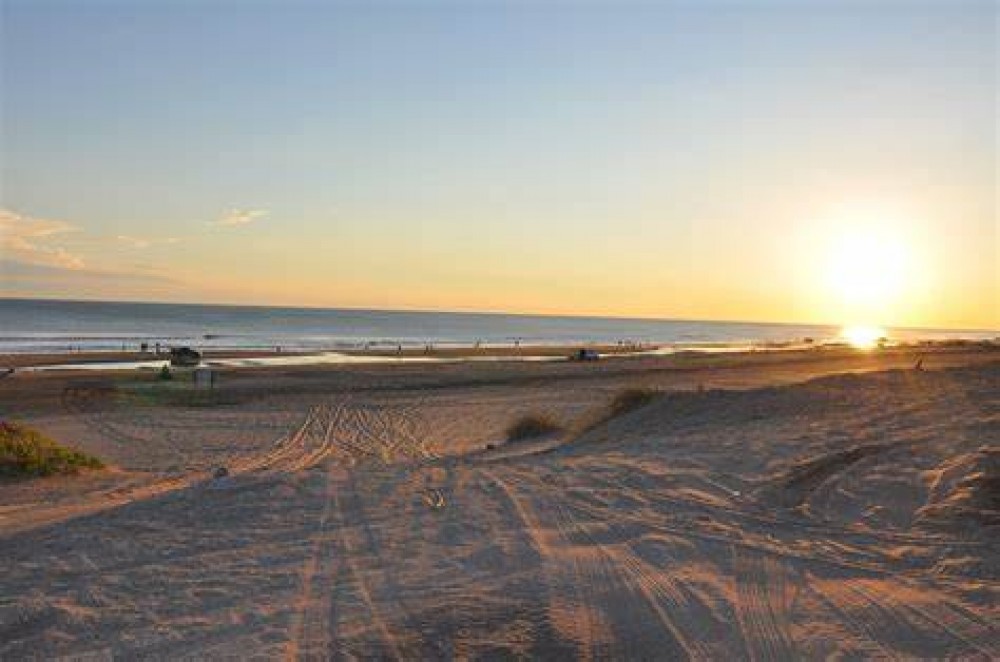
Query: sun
{"type": "Point", "coordinates": [866, 268]}
{"type": "Point", "coordinates": [862, 265]}
{"type": "Point", "coordinates": [863, 337]}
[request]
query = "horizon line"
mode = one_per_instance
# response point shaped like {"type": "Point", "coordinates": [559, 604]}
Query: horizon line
{"type": "Point", "coordinates": [497, 313]}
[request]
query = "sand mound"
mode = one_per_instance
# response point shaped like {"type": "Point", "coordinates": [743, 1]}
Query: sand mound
{"type": "Point", "coordinates": [965, 492]}
{"type": "Point", "coordinates": [680, 411]}
{"type": "Point", "coordinates": [858, 449]}
{"type": "Point", "coordinates": [793, 487]}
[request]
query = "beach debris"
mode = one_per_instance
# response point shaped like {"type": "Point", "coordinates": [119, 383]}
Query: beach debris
{"type": "Point", "coordinates": [433, 498]}
{"type": "Point", "coordinates": [221, 479]}
{"type": "Point", "coordinates": [874, 512]}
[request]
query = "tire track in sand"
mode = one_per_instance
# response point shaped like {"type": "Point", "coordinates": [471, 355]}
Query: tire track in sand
{"type": "Point", "coordinates": [314, 621]}
{"type": "Point", "coordinates": [929, 620]}
{"type": "Point", "coordinates": [345, 529]}
{"type": "Point", "coordinates": [614, 565]}
{"type": "Point", "coordinates": [571, 611]}
{"type": "Point", "coordinates": [682, 609]}
{"type": "Point", "coordinates": [598, 575]}
{"type": "Point", "coordinates": [763, 605]}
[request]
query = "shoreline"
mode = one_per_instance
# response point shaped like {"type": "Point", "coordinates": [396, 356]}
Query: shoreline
{"type": "Point", "coordinates": [70, 359]}
{"type": "Point", "coordinates": [118, 361]}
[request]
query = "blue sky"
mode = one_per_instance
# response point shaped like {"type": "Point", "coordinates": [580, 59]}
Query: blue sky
{"type": "Point", "coordinates": [660, 159]}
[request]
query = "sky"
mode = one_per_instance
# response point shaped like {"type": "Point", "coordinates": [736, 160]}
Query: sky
{"type": "Point", "coordinates": [802, 161]}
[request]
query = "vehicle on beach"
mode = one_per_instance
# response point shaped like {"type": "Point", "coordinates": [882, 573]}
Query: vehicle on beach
{"type": "Point", "coordinates": [585, 355]}
{"type": "Point", "coordinates": [184, 357]}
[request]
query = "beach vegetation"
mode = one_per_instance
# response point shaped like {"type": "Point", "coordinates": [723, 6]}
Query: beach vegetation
{"type": "Point", "coordinates": [532, 426]}
{"type": "Point", "coordinates": [629, 400]}
{"type": "Point", "coordinates": [26, 452]}
{"type": "Point", "coordinates": [624, 402]}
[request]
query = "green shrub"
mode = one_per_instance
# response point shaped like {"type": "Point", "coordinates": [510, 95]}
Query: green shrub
{"type": "Point", "coordinates": [27, 452]}
{"type": "Point", "coordinates": [623, 403]}
{"type": "Point", "coordinates": [631, 399]}
{"type": "Point", "coordinates": [531, 426]}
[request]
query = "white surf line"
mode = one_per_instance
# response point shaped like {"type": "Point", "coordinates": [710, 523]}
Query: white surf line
{"type": "Point", "coordinates": [324, 358]}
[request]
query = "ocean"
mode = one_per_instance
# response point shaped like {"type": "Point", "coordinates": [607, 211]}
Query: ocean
{"type": "Point", "coordinates": [28, 325]}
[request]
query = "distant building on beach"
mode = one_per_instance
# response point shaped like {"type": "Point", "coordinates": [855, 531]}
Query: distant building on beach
{"type": "Point", "coordinates": [204, 378]}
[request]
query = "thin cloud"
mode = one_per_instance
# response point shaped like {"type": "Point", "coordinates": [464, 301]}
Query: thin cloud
{"type": "Point", "coordinates": [238, 217]}
{"type": "Point", "coordinates": [34, 241]}
{"type": "Point", "coordinates": [140, 243]}
{"type": "Point", "coordinates": [17, 272]}
{"type": "Point", "coordinates": [20, 279]}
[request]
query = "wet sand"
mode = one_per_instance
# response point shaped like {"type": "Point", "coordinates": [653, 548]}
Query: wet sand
{"type": "Point", "coordinates": [765, 506]}
{"type": "Point", "coordinates": [70, 358]}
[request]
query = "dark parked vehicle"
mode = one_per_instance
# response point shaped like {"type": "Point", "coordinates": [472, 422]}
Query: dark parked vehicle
{"type": "Point", "coordinates": [182, 357]}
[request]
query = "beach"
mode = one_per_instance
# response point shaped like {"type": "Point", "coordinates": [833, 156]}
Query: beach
{"type": "Point", "coordinates": [499, 331]}
{"type": "Point", "coordinates": [766, 505]}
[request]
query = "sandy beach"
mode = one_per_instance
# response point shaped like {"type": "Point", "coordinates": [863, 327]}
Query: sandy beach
{"type": "Point", "coordinates": [760, 506]}
{"type": "Point", "coordinates": [499, 331]}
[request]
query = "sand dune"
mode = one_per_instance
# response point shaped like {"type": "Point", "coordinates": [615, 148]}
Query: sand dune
{"type": "Point", "coordinates": [852, 515]}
